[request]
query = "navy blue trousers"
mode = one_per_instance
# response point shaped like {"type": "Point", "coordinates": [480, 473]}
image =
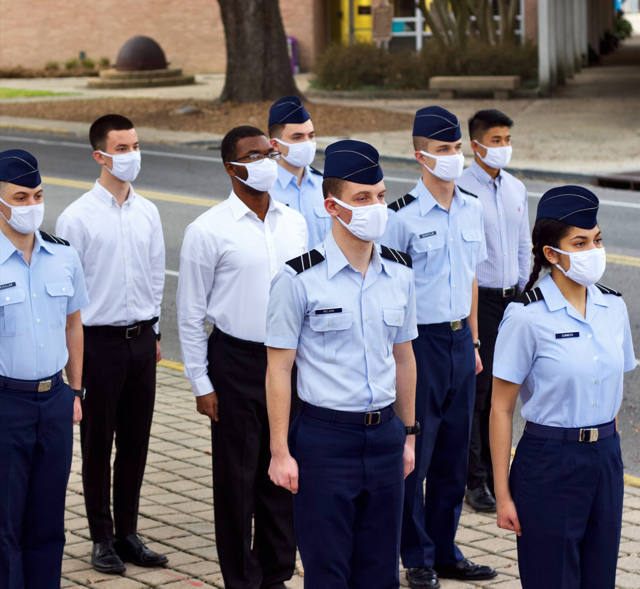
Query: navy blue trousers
{"type": "Point", "coordinates": [568, 496]}
{"type": "Point", "coordinates": [445, 397]}
{"type": "Point", "coordinates": [36, 442]}
{"type": "Point", "coordinates": [347, 511]}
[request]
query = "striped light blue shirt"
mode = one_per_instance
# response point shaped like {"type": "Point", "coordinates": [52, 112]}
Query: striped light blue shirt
{"type": "Point", "coordinates": [506, 227]}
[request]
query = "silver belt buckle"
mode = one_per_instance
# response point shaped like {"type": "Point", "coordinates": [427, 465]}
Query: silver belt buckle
{"type": "Point", "coordinates": [589, 435]}
{"type": "Point", "coordinates": [44, 386]}
{"type": "Point", "coordinates": [456, 325]}
{"type": "Point", "coordinates": [372, 418]}
{"type": "Point", "coordinates": [507, 292]}
{"type": "Point", "coordinates": [134, 328]}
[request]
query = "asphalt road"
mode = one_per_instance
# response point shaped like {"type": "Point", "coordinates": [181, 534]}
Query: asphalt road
{"type": "Point", "coordinates": [187, 181]}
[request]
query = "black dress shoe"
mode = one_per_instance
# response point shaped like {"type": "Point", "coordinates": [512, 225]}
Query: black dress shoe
{"type": "Point", "coordinates": [276, 586]}
{"type": "Point", "coordinates": [481, 499]}
{"type": "Point", "coordinates": [131, 549]}
{"type": "Point", "coordinates": [422, 578]}
{"type": "Point", "coordinates": [465, 570]}
{"type": "Point", "coordinates": [105, 560]}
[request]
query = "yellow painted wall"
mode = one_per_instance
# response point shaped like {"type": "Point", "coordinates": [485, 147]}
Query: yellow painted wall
{"type": "Point", "coordinates": [363, 22]}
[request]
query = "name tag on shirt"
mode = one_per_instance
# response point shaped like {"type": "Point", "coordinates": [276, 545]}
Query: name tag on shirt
{"type": "Point", "coordinates": [568, 334]}
{"type": "Point", "coordinates": [327, 311]}
{"type": "Point", "coordinates": [8, 285]}
{"type": "Point", "coordinates": [430, 234]}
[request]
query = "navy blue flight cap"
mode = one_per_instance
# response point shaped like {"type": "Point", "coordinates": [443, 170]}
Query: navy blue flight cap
{"type": "Point", "coordinates": [288, 110]}
{"type": "Point", "coordinates": [354, 161]}
{"type": "Point", "coordinates": [435, 122]}
{"type": "Point", "coordinates": [19, 167]}
{"type": "Point", "coordinates": [574, 205]}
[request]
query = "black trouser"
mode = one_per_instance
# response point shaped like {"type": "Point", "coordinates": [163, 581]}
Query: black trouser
{"type": "Point", "coordinates": [120, 377]}
{"type": "Point", "coordinates": [490, 313]}
{"type": "Point", "coordinates": [241, 484]}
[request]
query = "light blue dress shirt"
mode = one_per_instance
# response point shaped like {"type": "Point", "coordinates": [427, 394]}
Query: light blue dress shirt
{"type": "Point", "coordinates": [445, 247]}
{"type": "Point", "coordinates": [307, 199]}
{"type": "Point", "coordinates": [570, 367]}
{"type": "Point", "coordinates": [344, 327]}
{"type": "Point", "coordinates": [506, 225]}
{"type": "Point", "coordinates": [35, 300]}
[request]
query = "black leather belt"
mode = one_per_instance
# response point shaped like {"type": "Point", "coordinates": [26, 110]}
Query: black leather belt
{"type": "Point", "coordinates": [587, 434]}
{"type": "Point", "coordinates": [366, 418]}
{"type": "Point", "coordinates": [242, 344]}
{"type": "Point", "coordinates": [446, 326]}
{"type": "Point", "coordinates": [32, 386]}
{"type": "Point", "coordinates": [499, 293]}
{"type": "Point", "coordinates": [124, 331]}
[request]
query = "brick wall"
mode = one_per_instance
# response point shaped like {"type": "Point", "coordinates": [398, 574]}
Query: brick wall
{"type": "Point", "coordinates": [33, 32]}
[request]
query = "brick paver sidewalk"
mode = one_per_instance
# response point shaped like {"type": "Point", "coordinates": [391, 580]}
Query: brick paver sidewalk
{"type": "Point", "coordinates": [176, 514]}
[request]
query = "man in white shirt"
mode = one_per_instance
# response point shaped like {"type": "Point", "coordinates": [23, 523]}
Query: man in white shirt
{"type": "Point", "coordinates": [229, 257]}
{"type": "Point", "coordinates": [118, 236]}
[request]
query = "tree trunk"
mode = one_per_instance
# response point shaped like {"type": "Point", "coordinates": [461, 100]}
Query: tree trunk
{"type": "Point", "coordinates": [258, 66]}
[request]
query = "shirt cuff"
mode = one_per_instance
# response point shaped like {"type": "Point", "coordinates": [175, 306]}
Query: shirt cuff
{"type": "Point", "coordinates": [509, 373]}
{"type": "Point", "coordinates": [406, 336]}
{"type": "Point", "coordinates": [201, 386]}
{"type": "Point", "coordinates": [77, 305]}
{"type": "Point", "coordinates": [284, 343]}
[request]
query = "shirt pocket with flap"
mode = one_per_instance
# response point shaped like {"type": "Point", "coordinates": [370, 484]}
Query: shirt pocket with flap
{"type": "Point", "coordinates": [393, 319]}
{"type": "Point", "coordinates": [428, 252]}
{"type": "Point", "coordinates": [471, 239]}
{"type": "Point", "coordinates": [58, 292]}
{"type": "Point", "coordinates": [14, 315]}
{"type": "Point", "coordinates": [335, 329]}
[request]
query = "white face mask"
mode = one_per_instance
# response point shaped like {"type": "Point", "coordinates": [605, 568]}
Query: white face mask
{"type": "Point", "coordinates": [126, 166]}
{"type": "Point", "coordinates": [585, 268]}
{"type": "Point", "coordinates": [26, 219]}
{"type": "Point", "coordinates": [300, 154]}
{"type": "Point", "coordinates": [448, 167]}
{"type": "Point", "coordinates": [262, 174]}
{"type": "Point", "coordinates": [497, 157]}
{"type": "Point", "coordinates": [367, 223]}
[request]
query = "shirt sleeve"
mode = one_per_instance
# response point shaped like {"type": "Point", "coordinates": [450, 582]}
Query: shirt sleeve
{"type": "Point", "coordinates": [157, 265]}
{"type": "Point", "coordinates": [524, 247]}
{"type": "Point", "coordinates": [80, 296]}
{"type": "Point", "coordinates": [627, 344]}
{"type": "Point", "coordinates": [409, 330]}
{"type": "Point", "coordinates": [286, 311]}
{"type": "Point", "coordinates": [67, 228]}
{"type": "Point", "coordinates": [482, 253]}
{"type": "Point", "coordinates": [516, 345]}
{"type": "Point", "coordinates": [198, 259]}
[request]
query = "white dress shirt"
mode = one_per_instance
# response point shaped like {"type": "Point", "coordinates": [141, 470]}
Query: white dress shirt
{"type": "Point", "coordinates": [228, 259]}
{"type": "Point", "coordinates": [122, 254]}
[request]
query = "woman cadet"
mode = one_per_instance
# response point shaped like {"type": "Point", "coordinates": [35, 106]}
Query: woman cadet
{"type": "Point", "coordinates": [564, 346]}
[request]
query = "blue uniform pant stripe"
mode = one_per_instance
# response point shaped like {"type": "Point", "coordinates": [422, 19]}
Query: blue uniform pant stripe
{"type": "Point", "coordinates": [568, 496]}
{"type": "Point", "coordinates": [445, 397]}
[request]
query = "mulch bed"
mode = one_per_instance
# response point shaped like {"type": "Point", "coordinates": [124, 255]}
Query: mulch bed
{"type": "Point", "coordinates": [329, 120]}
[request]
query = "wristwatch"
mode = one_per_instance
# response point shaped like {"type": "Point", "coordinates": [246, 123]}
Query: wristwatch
{"type": "Point", "coordinates": [413, 430]}
{"type": "Point", "coordinates": [476, 345]}
{"type": "Point", "coordinates": [81, 392]}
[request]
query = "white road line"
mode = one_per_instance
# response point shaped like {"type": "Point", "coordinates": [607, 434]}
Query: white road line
{"type": "Point", "coordinates": [171, 273]}
{"type": "Point", "coordinates": [183, 156]}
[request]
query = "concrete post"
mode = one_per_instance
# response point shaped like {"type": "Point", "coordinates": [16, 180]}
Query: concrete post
{"type": "Point", "coordinates": [568, 37]}
{"type": "Point", "coordinates": [544, 48]}
{"type": "Point", "coordinates": [552, 24]}
{"type": "Point", "coordinates": [578, 32]}
{"type": "Point", "coordinates": [560, 51]}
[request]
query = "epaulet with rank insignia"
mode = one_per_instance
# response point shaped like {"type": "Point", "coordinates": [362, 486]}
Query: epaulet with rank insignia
{"type": "Point", "coordinates": [606, 290]}
{"type": "Point", "coordinates": [466, 191]}
{"type": "Point", "coordinates": [53, 239]}
{"type": "Point", "coordinates": [531, 296]}
{"type": "Point", "coordinates": [315, 171]}
{"type": "Point", "coordinates": [401, 202]}
{"type": "Point", "coordinates": [306, 261]}
{"type": "Point", "coordinates": [395, 256]}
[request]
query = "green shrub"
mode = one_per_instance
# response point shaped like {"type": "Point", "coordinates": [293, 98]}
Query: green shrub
{"type": "Point", "coordinates": [624, 29]}
{"type": "Point", "coordinates": [364, 66]}
{"type": "Point", "coordinates": [88, 63]}
{"type": "Point", "coordinates": [104, 62]}
{"type": "Point", "coordinates": [71, 64]}
{"type": "Point", "coordinates": [51, 66]}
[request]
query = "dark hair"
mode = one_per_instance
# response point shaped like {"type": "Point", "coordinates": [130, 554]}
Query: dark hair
{"type": "Point", "coordinates": [545, 232]}
{"type": "Point", "coordinates": [101, 128]}
{"type": "Point", "coordinates": [276, 130]}
{"type": "Point", "coordinates": [332, 187]}
{"type": "Point", "coordinates": [484, 120]}
{"type": "Point", "coordinates": [229, 146]}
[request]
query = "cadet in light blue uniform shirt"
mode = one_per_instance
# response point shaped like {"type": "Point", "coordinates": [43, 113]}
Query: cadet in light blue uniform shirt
{"type": "Point", "coordinates": [441, 228]}
{"type": "Point", "coordinates": [345, 311]}
{"type": "Point", "coordinates": [42, 290]}
{"type": "Point", "coordinates": [299, 186]}
{"type": "Point", "coordinates": [564, 347]}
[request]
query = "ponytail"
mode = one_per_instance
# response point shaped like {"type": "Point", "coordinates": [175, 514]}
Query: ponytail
{"type": "Point", "coordinates": [545, 232]}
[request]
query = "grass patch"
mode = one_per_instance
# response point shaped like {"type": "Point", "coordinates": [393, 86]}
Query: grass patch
{"type": "Point", "coordinates": [19, 93]}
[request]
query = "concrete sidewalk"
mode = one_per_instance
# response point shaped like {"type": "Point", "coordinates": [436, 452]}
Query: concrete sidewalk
{"type": "Point", "coordinates": [176, 514]}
